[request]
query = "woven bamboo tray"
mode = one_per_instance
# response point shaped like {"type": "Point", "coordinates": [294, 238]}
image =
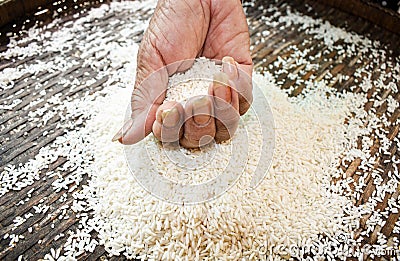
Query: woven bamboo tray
{"type": "Point", "coordinates": [20, 144]}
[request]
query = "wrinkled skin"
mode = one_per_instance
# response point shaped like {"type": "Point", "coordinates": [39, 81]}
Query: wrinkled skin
{"type": "Point", "coordinates": [179, 31]}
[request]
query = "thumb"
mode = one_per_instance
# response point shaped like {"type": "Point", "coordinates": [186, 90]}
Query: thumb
{"type": "Point", "coordinates": [148, 94]}
{"type": "Point", "coordinates": [137, 127]}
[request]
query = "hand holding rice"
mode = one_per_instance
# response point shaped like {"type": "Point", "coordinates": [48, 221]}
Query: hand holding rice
{"type": "Point", "coordinates": [177, 34]}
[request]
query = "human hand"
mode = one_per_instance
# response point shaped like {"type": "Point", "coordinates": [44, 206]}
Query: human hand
{"type": "Point", "coordinates": [180, 31]}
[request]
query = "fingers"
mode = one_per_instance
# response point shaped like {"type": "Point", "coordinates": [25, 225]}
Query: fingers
{"type": "Point", "coordinates": [226, 106]}
{"type": "Point", "coordinates": [168, 124]}
{"type": "Point", "coordinates": [231, 93]}
{"type": "Point", "coordinates": [240, 75]}
{"type": "Point", "coordinates": [203, 119]}
{"type": "Point", "coordinates": [199, 127]}
{"type": "Point", "coordinates": [212, 117]}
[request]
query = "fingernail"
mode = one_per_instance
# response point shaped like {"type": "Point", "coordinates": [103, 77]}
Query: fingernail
{"type": "Point", "coordinates": [170, 117]}
{"type": "Point", "coordinates": [229, 67]}
{"type": "Point", "coordinates": [222, 89]}
{"type": "Point", "coordinates": [201, 110]}
{"type": "Point", "coordinates": [118, 136]}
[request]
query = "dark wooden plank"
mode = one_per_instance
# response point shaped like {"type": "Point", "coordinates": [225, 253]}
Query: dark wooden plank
{"type": "Point", "coordinates": [386, 18]}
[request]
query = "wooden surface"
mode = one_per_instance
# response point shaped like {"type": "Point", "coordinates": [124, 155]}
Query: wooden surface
{"type": "Point", "coordinates": [17, 15]}
{"type": "Point", "coordinates": [14, 11]}
{"type": "Point", "coordinates": [384, 17]}
{"type": "Point", "coordinates": [21, 140]}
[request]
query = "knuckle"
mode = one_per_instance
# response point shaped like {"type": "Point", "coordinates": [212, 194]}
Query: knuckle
{"type": "Point", "coordinates": [193, 134]}
{"type": "Point", "coordinates": [227, 115]}
{"type": "Point", "coordinates": [170, 134]}
{"type": "Point", "coordinates": [227, 118]}
{"type": "Point", "coordinates": [169, 137]}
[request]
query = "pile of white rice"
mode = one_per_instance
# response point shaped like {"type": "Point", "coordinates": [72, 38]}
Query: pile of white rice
{"type": "Point", "coordinates": [291, 206]}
